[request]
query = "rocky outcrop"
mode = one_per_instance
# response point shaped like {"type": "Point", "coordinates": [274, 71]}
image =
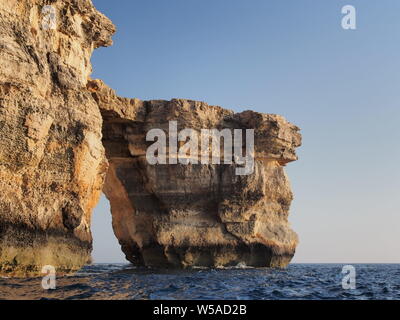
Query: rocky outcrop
{"type": "Point", "coordinates": [52, 162]}
{"type": "Point", "coordinates": [183, 215]}
{"type": "Point", "coordinates": [58, 128]}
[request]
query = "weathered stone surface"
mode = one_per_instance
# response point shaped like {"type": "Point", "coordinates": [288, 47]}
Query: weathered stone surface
{"type": "Point", "coordinates": [196, 215]}
{"type": "Point", "coordinates": [58, 128]}
{"type": "Point", "coordinates": [52, 162]}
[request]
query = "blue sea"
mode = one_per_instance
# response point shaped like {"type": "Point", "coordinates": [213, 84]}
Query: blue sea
{"type": "Point", "coordinates": [297, 281]}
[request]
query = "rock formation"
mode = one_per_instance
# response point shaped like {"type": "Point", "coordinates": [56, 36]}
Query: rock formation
{"type": "Point", "coordinates": [52, 162]}
{"type": "Point", "coordinates": [58, 128]}
{"type": "Point", "coordinates": [182, 215]}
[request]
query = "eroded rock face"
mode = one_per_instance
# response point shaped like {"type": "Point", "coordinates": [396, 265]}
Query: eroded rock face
{"type": "Point", "coordinates": [52, 162]}
{"type": "Point", "coordinates": [177, 215]}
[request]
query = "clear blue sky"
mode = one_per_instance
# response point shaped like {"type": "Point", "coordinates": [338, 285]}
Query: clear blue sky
{"type": "Point", "coordinates": [289, 57]}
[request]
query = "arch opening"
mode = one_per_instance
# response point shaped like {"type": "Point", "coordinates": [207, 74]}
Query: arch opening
{"type": "Point", "coordinates": [106, 248]}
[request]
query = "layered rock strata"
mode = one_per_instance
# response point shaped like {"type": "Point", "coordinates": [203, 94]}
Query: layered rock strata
{"type": "Point", "coordinates": [185, 215]}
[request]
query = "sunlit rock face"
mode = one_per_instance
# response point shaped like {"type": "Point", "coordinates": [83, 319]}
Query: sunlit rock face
{"type": "Point", "coordinates": [52, 162]}
{"type": "Point", "coordinates": [177, 215]}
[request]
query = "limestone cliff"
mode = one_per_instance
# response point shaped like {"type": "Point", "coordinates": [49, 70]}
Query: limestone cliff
{"type": "Point", "coordinates": [58, 128]}
{"type": "Point", "coordinates": [52, 162]}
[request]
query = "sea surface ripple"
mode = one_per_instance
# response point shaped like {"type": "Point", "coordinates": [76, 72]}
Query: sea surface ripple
{"type": "Point", "coordinates": [298, 281]}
